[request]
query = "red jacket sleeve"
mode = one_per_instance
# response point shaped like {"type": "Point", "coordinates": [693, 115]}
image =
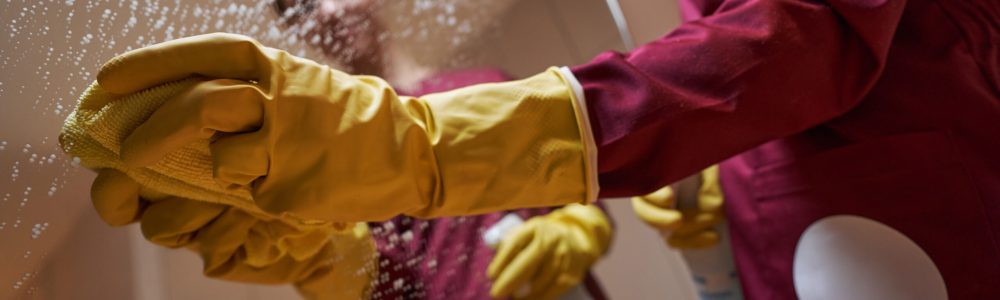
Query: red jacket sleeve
{"type": "Point", "coordinates": [753, 71]}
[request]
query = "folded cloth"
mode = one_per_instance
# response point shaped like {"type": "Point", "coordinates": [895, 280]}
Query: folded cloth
{"type": "Point", "coordinates": [324, 259]}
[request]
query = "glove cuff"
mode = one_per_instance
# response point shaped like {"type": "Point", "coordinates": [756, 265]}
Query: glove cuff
{"type": "Point", "coordinates": [586, 131]}
{"type": "Point", "coordinates": [507, 145]}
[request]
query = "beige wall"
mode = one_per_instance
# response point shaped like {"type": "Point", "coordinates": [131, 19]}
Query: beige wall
{"type": "Point", "coordinates": [78, 257]}
{"type": "Point", "coordinates": [650, 19]}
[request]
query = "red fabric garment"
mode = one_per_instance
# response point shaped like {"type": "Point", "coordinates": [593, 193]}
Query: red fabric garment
{"type": "Point", "coordinates": [887, 109]}
{"type": "Point", "coordinates": [444, 258]}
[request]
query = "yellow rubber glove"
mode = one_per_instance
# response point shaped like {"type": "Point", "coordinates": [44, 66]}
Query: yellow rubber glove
{"type": "Point", "coordinates": [325, 145]}
{"type": "Point", "coordinates": [688, 227]}
{"type": "Point", "coordinates": [238, 247]}
{"type": "Point", "coordinates": [550, 254]}
{"type": "Point", "coordinates": [323, 262]}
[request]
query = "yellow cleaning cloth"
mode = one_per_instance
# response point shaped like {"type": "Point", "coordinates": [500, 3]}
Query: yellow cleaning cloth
{"type": "Point", "coordinates": [94, 132]}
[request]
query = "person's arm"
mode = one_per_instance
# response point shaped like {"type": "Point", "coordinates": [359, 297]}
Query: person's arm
{"type": "Point", "coordinates": [325, 145]}
{"type": "Point", "coordinates": [753, 71]}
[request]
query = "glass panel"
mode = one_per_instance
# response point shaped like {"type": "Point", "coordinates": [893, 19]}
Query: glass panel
{"type": "Point", "coordinates": [53, 245]}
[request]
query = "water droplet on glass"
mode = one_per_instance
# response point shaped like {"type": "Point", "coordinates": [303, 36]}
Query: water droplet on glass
{"type": "Point", "coordinates": [36, 231]}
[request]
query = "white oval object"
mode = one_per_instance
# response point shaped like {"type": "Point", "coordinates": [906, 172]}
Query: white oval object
{"type": "Point", "coordinates": [852, 257]}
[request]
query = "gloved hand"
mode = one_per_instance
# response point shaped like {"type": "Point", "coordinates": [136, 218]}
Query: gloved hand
{"type": "Point", "coordinates": [322, 265]}
{"type": "Point", "coordinates": [325, 145]}
{"type": "Point", "coordinates": [322, 262]}
{"type": "Point", "coordinates": [685, 228]}
{"type": "Point", "coordinates": [550, 254]}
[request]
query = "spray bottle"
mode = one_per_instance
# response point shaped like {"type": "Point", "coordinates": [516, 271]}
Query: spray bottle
{"type": "Point", "coordinates": [712, 269]}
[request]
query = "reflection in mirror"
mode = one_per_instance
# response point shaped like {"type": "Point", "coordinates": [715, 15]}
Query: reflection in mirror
{"type": "Point", "coordinates": [52, 241]}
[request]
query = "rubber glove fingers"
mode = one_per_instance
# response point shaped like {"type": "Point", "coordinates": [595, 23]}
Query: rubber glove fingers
{"type": "Point", "coordinates": [699, 225]}
{"type": "Point", "coordinates": [307, 243]}
{"type": "Point", "coordinates": [655, 216]}
{"type": "Point", "coordinates": [222, 105]}
{"type": "Point", "coordinates": [339, 265]}
{"type": "Point", "coordinates": [547, 255]}
{"type": "Point", "coordinates": [263, 245]}
{"type": "Point", "coordinates": [665, 197]}
{"type": "Point", "coordinates": [694, 240]}
{"type": "Point", "coordinates": [353, 266]}
{"type": "Point", "coordinates": [219, 240]}
{"type": "Point", "coordinates": [710, 196]}
{"type": "Point", "coordinates": [239, 159]}
{"type": "Point", "coordinates": [269, 241]}
{"type": "Point", "coordinates": [517, 259]}
{"type": "Point", "coordinates": [168, 222]}
{"type": "Point", "coordinates": [173, 222]}
{"type": "Point", "coordinates": [695, 220]}
{"type": "Point", "coordinates": [116, 197]}
{"type": "Point", "coordinates": [553, 281]}
{"type": "Point", "coordinates": [554, 291]}
{"type": "Point", "coordinates": [544, 280]}
{"type": "Point", "coordinates": [657, 209]}
{"type": "Point", "coordinates": [282, 271]}
{"type": "Point", "coordinates": [513, 243]}
{"type": "Point", "coordinates": [216, 55]}
{"type": "Point", "coordinates": [695, 230]}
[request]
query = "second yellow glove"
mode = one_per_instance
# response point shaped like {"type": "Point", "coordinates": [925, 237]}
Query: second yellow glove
{"type": "Point", "coordinates": [690, 227]}
{"type": "Point", "coordinates": [550, 254]}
